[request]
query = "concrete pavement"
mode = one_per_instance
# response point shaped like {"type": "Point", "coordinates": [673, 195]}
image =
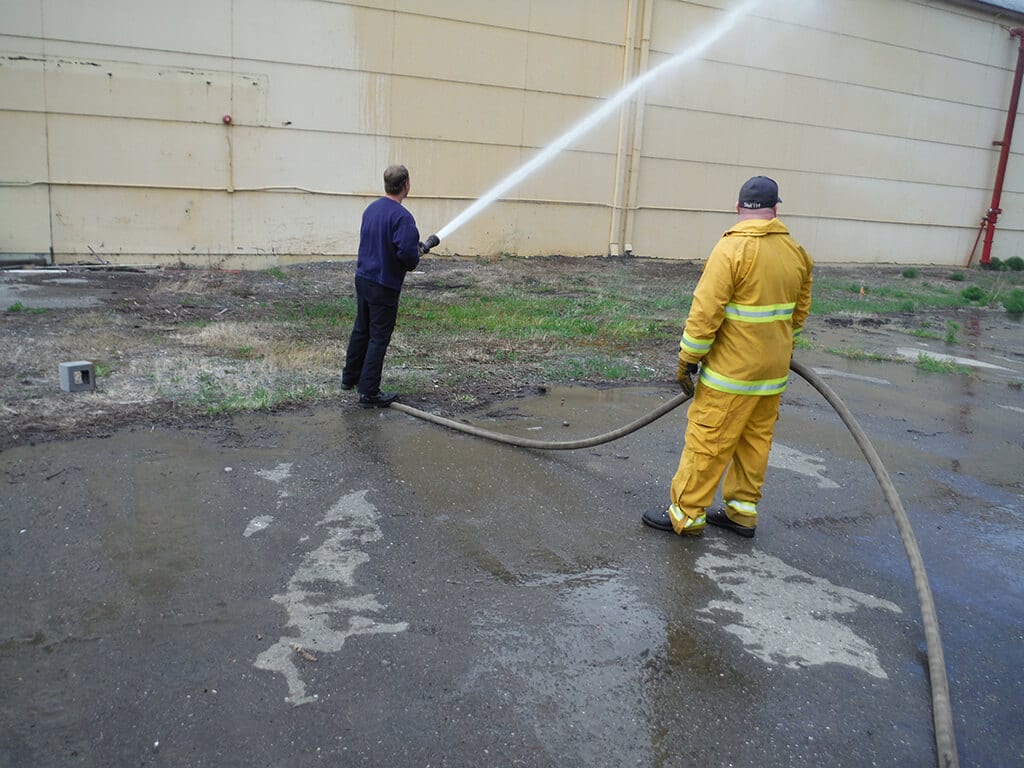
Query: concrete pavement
{"type": "Point", "coordinates": [351, 587]}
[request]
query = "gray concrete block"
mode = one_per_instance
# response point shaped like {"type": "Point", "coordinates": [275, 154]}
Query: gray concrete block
{"type": "Point", "coordinates": [79, 376]}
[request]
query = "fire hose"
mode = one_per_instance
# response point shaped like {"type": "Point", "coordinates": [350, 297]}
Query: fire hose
{"type": "Point", "coordinates": [942, 714]}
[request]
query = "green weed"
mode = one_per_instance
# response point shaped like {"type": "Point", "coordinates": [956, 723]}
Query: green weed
{"type": "Point", "coordinates": [590, 367]}
{"type": "Point", "coordinates": [19, 307]}
{"type": "Point", "coordinates": [852, 353]}
{"type": "Point", "coordinates": [930, 364]}
{"type": "Point", "coordinates": [952, 329]}
{"type": "Point", "coordinates": [247, 353]}
{"type": "Point", "coordinates": [325, 313]}
{"type": "Point", "coordinates": [911, 272]}
{"type": "Point", "coordinates": [221, 396]}
{"type": "Point", "coordinates": [1013, 302]}
{"type": "Point", "coordinates": [924, 331]}
{"type": "Point", "coordinates": [974, 294]}
{"type": "Point", "coordinates": [276, 272]}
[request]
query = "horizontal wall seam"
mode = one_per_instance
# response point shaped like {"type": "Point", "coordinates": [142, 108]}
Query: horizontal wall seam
{"type": "Point", "coordinates": [828, 217]}
{"type": "Point", "coordinates": [411, 137]}
{"type": "Point", "coordinates": [286, 189]}
{"type": "Point", "coordinates": [1008, 71]}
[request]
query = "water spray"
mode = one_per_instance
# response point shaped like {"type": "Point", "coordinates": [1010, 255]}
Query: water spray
{"type": "Point", "coordinates": [584, 126]}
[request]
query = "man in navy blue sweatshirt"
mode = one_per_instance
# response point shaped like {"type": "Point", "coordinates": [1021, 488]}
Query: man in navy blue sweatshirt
{"type": "Point", "coordinates": [389, 246]}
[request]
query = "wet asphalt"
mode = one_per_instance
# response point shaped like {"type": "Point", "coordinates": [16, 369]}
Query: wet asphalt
{"type": "Point", "coordinates": [359, 588]}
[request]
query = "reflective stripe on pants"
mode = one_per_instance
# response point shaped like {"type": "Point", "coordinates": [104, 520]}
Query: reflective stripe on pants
{"type": "Point", "coordinates": [724, 431]}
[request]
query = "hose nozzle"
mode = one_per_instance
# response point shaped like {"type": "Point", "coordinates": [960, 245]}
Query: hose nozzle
{"type": "Point", "coordinates": [430, 242]}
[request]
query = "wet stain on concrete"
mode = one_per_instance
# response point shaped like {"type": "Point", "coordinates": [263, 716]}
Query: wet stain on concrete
{"type": "Point", "coordinates": [323, 593]}
{"type": "Point", "coordinates": [785, 616]}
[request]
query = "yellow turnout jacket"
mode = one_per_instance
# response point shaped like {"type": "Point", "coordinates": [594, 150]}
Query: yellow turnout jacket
{"type": "Point", "coordinates": [749, 305]}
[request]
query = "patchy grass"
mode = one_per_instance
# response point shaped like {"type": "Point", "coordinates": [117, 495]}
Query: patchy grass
{"type": "Point", "coordinates": [1013, 302]}
{"type": "Point", "coordinates": [469, 330]}
{"type": "Point", "coordinates": [924, 331]}
{"type": "Point", "coordinates": [853, 353]}
{"type": "Point", "coordinates": [883, 295]}
{"type": "Point", "coordinates": [926, 362]}
{"type": "Point", "coordinates": [19, 307]}
{"type": "Point", "coordinates": [952, 329]}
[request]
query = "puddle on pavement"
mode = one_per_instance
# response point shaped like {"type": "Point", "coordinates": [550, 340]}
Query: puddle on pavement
{"type": "Point", "coordinates": [154, 534]}
{"type": "Point", "coordinates": [572, 413]}
{"type": "Point", "coordinates": [513, 512]}
{"type": "Point", "coordinates": [573, 663]}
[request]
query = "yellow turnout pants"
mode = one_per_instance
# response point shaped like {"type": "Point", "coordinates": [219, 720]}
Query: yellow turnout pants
{"type": "Point", "coordinates": [724, 430]}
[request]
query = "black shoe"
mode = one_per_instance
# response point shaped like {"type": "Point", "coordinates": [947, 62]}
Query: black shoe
{"type": "Point", "coordinates": [663, 521]}
{"type": "Point", "coordinates": [659, 520]}
{"type": "Point", "coordinates": [719, 518]}
{"type": "Point", "coordinates": [380, 400]}
{"type": "Point", "coordinates": [347, 387]}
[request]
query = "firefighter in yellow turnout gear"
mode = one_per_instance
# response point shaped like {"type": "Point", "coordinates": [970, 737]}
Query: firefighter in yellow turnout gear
{"type": "Point", "coordinates": [748, 307]}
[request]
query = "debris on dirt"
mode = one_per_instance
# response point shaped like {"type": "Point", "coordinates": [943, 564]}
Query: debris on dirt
{"type": "Point", "coordinates": [303, 652]}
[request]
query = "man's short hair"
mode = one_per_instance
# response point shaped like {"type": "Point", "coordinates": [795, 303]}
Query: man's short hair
{"type": "Point", "coordinates": [395, 177]}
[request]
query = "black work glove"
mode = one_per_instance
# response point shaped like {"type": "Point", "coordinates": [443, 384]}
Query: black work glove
{"type": "Point", "coordinates": [687, 376]}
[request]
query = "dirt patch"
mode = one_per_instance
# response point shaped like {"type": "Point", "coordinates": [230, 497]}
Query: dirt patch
{"type": "Point", "coordinates": [188, 346]}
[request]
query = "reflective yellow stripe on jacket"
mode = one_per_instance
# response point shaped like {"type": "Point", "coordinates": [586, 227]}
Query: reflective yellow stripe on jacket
{"type": "Point", "coordinates": [768, 313]}
{"type": "Point", "coordinates": [738, 387]}
{"type": "Point", "coordinates": [698, 347]}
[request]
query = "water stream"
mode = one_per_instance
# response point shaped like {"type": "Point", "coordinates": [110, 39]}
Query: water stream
{"type": "Point", "coordinates": [707, 38]}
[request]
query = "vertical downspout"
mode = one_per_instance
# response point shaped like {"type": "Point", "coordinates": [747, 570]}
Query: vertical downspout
{"type": "Point", "coordinates": [1004, 151]}
{"type": "Point", "coordinates": [46, 132]}
{"type": "Point", "coordinates": [638, 128]}
{"type": "Point", "coordinates": [628, 57]}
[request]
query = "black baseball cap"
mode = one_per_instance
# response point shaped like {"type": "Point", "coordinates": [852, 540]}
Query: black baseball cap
{"type": "Point", "coordinates": [759, 192]}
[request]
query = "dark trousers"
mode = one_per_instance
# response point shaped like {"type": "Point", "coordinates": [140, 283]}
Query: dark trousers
{"type": "Point", "coordinates": [376, 313]}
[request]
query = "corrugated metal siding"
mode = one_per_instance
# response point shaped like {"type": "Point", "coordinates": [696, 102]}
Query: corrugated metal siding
{"type": "Point", "coordinates": [876, 117]}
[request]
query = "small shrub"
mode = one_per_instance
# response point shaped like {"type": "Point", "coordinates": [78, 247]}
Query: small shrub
{"type": "Point", "coordinates": [974, 293]}
{"type": "Point", "coordinates": [1015, 263]}
{"type": "Point", "coordinates": [1014, 301]}
{"type": "Point", "coordinates": [994, 265]}
{"type": "Point", "coordinates": [957, 277]}
{"type": "Point", "coordinates": [911, 272]}
{"type": "Point", "coordinates": [951, 331]}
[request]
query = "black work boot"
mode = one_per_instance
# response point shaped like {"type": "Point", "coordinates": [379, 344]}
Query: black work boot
{"type": "Point", "coordinates": [720, 519]}
{"type": "Point", "coordinates": [380, 400]}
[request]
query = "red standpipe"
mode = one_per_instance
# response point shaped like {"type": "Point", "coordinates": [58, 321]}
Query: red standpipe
{"type": "Point", "coordinates": [989, 222]}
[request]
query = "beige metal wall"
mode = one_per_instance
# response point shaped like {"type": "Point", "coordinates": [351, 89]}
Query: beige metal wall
{"type": "Point", "coordinates": [876, 117]}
